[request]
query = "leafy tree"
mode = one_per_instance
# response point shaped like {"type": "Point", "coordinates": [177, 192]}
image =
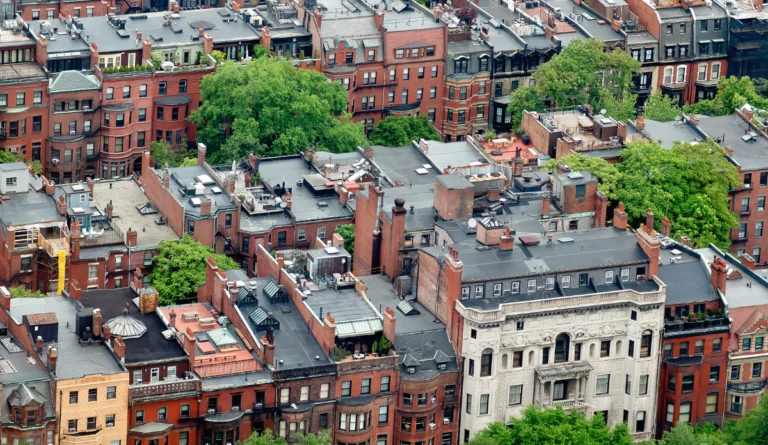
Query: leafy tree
{"type": "Point", "coordinates": [267, 438]}
{"type": "Point", "coordinates": [685, 434]}
{"type": "Point", "coordinates": [583, 72]}
{"type": "Point", "coordinates": [553, 426]}
{"type": "Point", "coordinates": [621, 109]}
{"type": "Point", "coordinates": [752, 429]}
{"type": "Point", "coordinates": [347, 231]}
{"type": "Point", "coordinates": [661, 108]}
{"type": "Point", "coordinates": [259, 51]}
{"type": "Point", "coordinates": [523, 99]}
{"type": "Point", "coordinates": [280, 109]}
{"type": "Point", "coordinates": [179, 268]}
{"type": "Point", "coordinates": [688, 183]}
{"type": "Point", "coordinates": [761, 87]}
{"type": "Point", "coordinates": [396, 131]}
{"type": "Point", "coordinates": [344, 133]}
{"type": "Point", "coordinates": [732, 93]}
{"type": "Point", "coordinates": [218, 56]}
{"type": "Point", "coordinates": [188, 162]}
{"type": "Point", "coordinates": [21, 292]}
{"type": "Point", "coordinates": [163, 154]}
{"type": "Point", "coordinates": [467, 16]}
{"type": "Point", "coordinates": [605, 172]}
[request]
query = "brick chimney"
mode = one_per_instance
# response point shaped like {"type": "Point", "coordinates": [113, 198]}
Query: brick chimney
{"type": "Point", "coordinates": [73, 287]}
{"type": "Point", "coordinates": [728, 150]}
{"type": "Point", "coordinates": [189, 342]}
{"type": "Point", "coordinates": [5, 298]}
{"type": "Point", "coordinates": [52, 357]}
{"type": "Point", "coordinates": [138, 36]}
{"type": "Point", "coordinates": [172, 318]}
{"type": "Point", "coordinates": [343, 196]}
{"type": "Point", "coordinates": [378, 18]}
{"type": "Point", "coordinates": [694, 120]}
{"type": "Point", "coordinates": [98, 322]}
{"type": "Point", "coordinates": [494, 194]}
{"type": "Point", "coordinates": [748, 113]}
{"type": "Point", "coordinates": [131, 238]}
{"type": "Point", "coordinates": [266, 36]}
{"type": "Point", "coordinates": [109, 210]}
{"type": "Point", "coordinates": [747, 260]}
{"type": "Point", "coordinates": [389, 324]}
{"type": "Point", "coordinates": [146, 50]}
{"type": "Point", "coordinates": [665, 226]}
{"type": "Point", "coordinates": [269, 352]}
{"type": "Point", "coordinates": [280, 261]}
{"type": "Point", "coordinates": [208, 43]}
{"type": "Point", "coordinates": [616, 24]}
{"type": "Point", "coordinates": [649, 218]}
{"type": "Point", "coordinates": [718, 274]}
{"type": "Point", "coordinates": [89, 183]}
{"type": "Point", "coordinates": [640, 123]}
{"type": "Point", "coordinates": [318, 18]}
{"type": "Point", "coordinates": [119, 347]}
{"type": "Point", "coordinates": [235, 6]}
{"type": "Point", "coordinates": [651, 245]}
{"type": "Point", "coordinates": [287, 200]}
{"type": "Point", "coordinates": [39, 342]}
{"type": "Point", "coordinates": [337, 240]}
{"type": "Point", "coordinates": [489, 232]}
{"type": "Point", "coordinates": [146, 162]}
{"type": "Point", "coordinates": [200, 151]}
{"type": "Point", "coordinates": [148, 299]}
{"type": "Point", "coordinates": [205, 205]}
{"type": "Point", "coordinates": [507, 240]}
{"type": "Point", "coordinates": [106, 333]}
{"type": "Point", "coordinates": [74, 237]}
{"type": "Point", "coordinates": [50, 187]}
{"type": "Point", "coordinates": [546, 201]}
{"type": "Point", "coordinates": [601, 209]}
{"type": "Point", "coordinates": [686, 241]}
{"type": "Point", "coordinates": [620, 217]}
{"type": "Point", "coordinates": [229, 184]}
{"type": "Point", "coordinates": [61, 205]}
{"type": "Point", "coordinates": [368, 151]}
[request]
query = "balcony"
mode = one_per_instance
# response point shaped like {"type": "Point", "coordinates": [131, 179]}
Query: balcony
{"type": "Point", "coordinates": [683, 328]}
{"type": "Point", "coordinates": [165, 388]}
{"type": "Point", "coordinates": [53, 240]}
{"type": "Point", "coordinates": [567, 405]}
{"type": "Point", "coordinates": [404, 108]}
{"type": "Point", "coordinates": [747, 387]}
{"type": "Point", "coordinates": [93, 436]}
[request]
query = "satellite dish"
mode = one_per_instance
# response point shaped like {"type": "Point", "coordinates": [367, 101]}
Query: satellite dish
{"type": "Point", "coordinates": [603, 111]}
{"type": "Point", "coordinates": [283, 205]}
{"type": "Point", "coordinates": [472, 223]}
{"type": "Point", "coordinates": [343, 261]}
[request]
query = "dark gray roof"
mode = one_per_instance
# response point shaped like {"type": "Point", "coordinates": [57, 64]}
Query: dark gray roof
{"type": "Point", "coordinates": [669, 132]}
{"type": "Point", "coordinates": [150, 346]}
{"type": "Point", "coordinates": [69, 81]}
{"type": "Point", "coordinates": [400, 164]}
{"type": "Point", "coordinates": [40, 390]}
{"type": "Point", "coordinates": [294, 344]}
{"type": "Point", "coordinates": [453, 154]}
{"type": "Point", "coordinates": [752, 155]}
{"type": "Point", "coordinates": [685, 277]}
{"type": "Point", "coordinates": [345, 305]}
{"type": "Point", "coordinates": [588, 249]}
{"type": "Point", "coordinates": [181, 177]}
{"type": "Point", "coordinates": [685, 361]}
{"type": "Point", "coordinates": [13, 166]}
{"type": "Point", "coordinates": [99, 252]}
{"type": "Point", "coordinates": [422, 348]}
{"type": "Point", "coordinates": [75, 360]}
{"type": "Point", "coordinates": [674, 14]}
{"type": "Point", "coordinates": [382, 295]}
{"type": "Point", "coordinates": [421, 197]}
{"type": "Point", "coordinates": [29, 208]}
{"type": "Point", "coordinates": [575, 178]}
{"type": "Point", "coordinates": [23, 395]}
{"type": "Point", "coordinates": [454, 182]}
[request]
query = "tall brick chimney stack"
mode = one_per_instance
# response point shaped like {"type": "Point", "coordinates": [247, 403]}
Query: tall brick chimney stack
{"type": "Point", "coordinates": [719, 274]}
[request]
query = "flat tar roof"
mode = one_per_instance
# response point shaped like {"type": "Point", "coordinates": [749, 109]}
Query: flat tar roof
{"type": "Point", "coordinates": [30, 207]}
{"type": "Point", "coordinates": [751, 155]}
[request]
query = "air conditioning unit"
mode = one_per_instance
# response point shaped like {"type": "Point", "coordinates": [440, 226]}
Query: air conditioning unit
{"type": "Point", "coordinates": [211, 411]}
{"type": "Point", "coordinates": [86, 108]}
{"type": "Point", "coordinates": [434, 400]}
{"type": "Point", "coordinates": [747, 186]}
{"type": "Point", "coordinates": [432, 426]}
{"type": "Point", "coordinates": [235, 408]}
{"type": "Point", "coordinates": [73, 430]}
{"type": "Point", "coordinates": [110, 425]}
{"type": "Point", "coordinates": [55, 161]}
{"type": "Point", "coordinates": [258, 405]}
{"type": "Point", "coordinates": [14, 150]}
{"type": "Point", "coordinates": [446, 421]}
{"type": "Point", "coordinates": [640, 277]}
{"type": "Point", "coordinates": [71, 132]}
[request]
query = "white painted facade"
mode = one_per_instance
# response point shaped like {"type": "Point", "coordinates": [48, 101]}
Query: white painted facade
{"type": "Point", "coordinates": [518, 333]}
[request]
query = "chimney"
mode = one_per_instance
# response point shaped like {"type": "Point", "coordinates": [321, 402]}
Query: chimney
{"type": "Point", "coordinates": [379, 20]}
{"type": "Point", "coordinates": [343, 196]}
{"type": "Point", "coordinates": [172, 318]}
{"type": "Point", "coordinates": [235, 6]}
{"type": "Point", "coordinates": [146, 50]}
{"type": "Point", "coordinates": [747, 260]}
{"type": "Point", "coordinates": [189, 342]}
{"type": "Point", "coordinates": [208, 43]}
{"type": "Point", "coordinates": [337, 240]}
{"type": "Point", "coordinates": [620, 217]}
{"type": "Point", "coordinates": [146, 159]}
{"type": "Point", "coordinates": [200, 152]}
{"type": "Point", "coordinates": [73, 287]}
{"type": "Point", "coordinates": [229, 184]}
{"type": "Point", "coordinates": [368, 151]}
{"type": "Point", "coordinates": [665, 226]}
{"type": "Point", "coordinates": [39, 344]}
{"type": "Point", "coordinates": [616, 24]}
{"type": "Point", "coordinates": [389, 324]}
{"type": "Point", "coordinates": [205, 205]}
{"type": "Point", "coordinates": [253, 161]}
{"type": "Point", "coordinates": [748, 113]}
{"type": "Point", "coordinates": [269, 352]}
{"type": "Point", "coordinates": [266, 37]}
{"type": "Point", "coordinates": [89, 183]}
{"type": "Point", "coordinates": [53, 355]}
{"type": "Point", "coordinates": [507, 240]}
{"type": "Point", "coordinates": [200, 33]}
{"type": "Point", "coordinates": [131, 238]}
{"type": "Point", "coordinates": [693, 119]}
{"type": "Point", "coordinates": [105, 333]}
{"type": "Point", "coordinates": [318, 19]}
{"type": "Point", "coordinates": [651, 245]}
{"type": "Point", "coordinates": [74, 237]}
{"type": "Point", "coordinates": [649, 219]}
{"type": "Point", "coordinates": [5, 298]}
{"type": "Point", "coordinates": [50, 188]}
{"type": "Point", "coordinates": [119, 347]}
{"type": "Point", "coordinates": [110, 209]}
{"type": "Point", "coordinates": [61, 205]}
{"type": "Point", "coordinates": [546, 201]}
{"type": "Point", "coordinates": [280, 261]}
{"type": "Point", "coordinates": [287, 199]}
{"type": "Point", "coordinates": [640, 123]}
{"type": "Point", "coordinates": [728, 150]}
{"type": "Point", "coordinates": [494, 194]}
{"type": "Point", "coordinates": [719, 274]}
{"type": "Point", "coordinates": [138, 36]}
{"type": "Point", "coordinates": [622, 130]}
{"type": "Point", "coordinates": [686, 241]}
{"type": "Point", "coordinates": [148, 299]}
{"type": "Point", "coordinates": [98, 322]}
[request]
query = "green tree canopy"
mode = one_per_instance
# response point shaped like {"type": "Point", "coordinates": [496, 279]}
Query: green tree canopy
{"type": "Point", "coordinates": [688, 183]}
{"type": "Point", "coordinates": [523, 99]}
{"type": "Point", "coordinates": [399, 131]}
{"type": "Point", "coordinates": [279, 110]}
{"type": "Point", "coordinates": [267, 438]}
{"type": "Point", "coordinates": [685, 434]}
{"type": "Point", "coordinates": [752, 429]}
{"type": "Point", "coordinates": [347, 231]}
{"type": "Point", "coordinates": [661, 108]}
{"type": "Point", "coordinates": [179, 268]}
{"type": "Point", "coordinates": [553, 426]}
{"type": "Point", "coordinates": [164, 155]}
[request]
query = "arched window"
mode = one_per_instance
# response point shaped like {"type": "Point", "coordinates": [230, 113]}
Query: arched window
{"type": "Point", "coordinates": [592, 350]}
{"type": "Point", "coordinates": [530, 358]}
{"type": "Point", "coordinates": [504, 359]}
{"type": "Point", "coordinates": [486, 362]}
{"type": "Point", "coordinates": [618, 348]}
{"type": "Point", "coordinates": [645, 344]}
{"type": "Point", "coordinates": [562, 346]}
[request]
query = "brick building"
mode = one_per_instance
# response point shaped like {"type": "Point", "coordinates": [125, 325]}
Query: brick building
{"type": "Point", "coordinates": [52, 9]}
{"type": "Point", "coordinates": [692, 378]}
{"type": "Point", "coordinates": [746, 39]}
{"type": "Point", "coordinates": [467, 92]}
